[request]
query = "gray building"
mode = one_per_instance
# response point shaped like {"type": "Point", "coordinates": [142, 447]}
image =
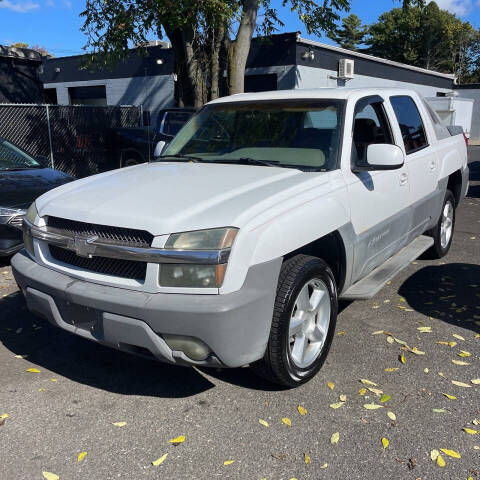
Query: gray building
{"type": "Point", "coordinates": [284, 61]}
{"type": "Point", "coordinates": [472, 91]}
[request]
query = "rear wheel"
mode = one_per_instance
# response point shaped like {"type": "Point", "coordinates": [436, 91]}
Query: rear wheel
{"type": "Point", "coordinates": [442, 233]}
{"type": "Point", "coordinates": [303, 322]}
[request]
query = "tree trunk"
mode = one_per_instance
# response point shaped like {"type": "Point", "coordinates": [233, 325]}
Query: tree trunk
{"type": "Point", "coordinates": [216, 70]}
{"type": "Point", "coordinates": [239, 49]}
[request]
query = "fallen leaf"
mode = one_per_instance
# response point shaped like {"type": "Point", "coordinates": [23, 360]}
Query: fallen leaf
{"type": "Point", "coordinates": [470, 431]}
{"type": "Point", "coordinates": [33, 370]}
{"type": "Point", "coordinates": [401, 342]}
{"type": "Point", "coordinates": [390, 339]}
{"type": "Point", "coordinates": [425, 329]}
{"type": "Point", "coordinates": [119, 424]}
{"type": "Point", "coordinates": [385, 442]}
{"type": "Point", "coordinates": [21, 356]}
{"type": "Point", "coordinates": [331, 385]}
{"type": "Point", "coordinates": [362, 391]}
{"type": "Point", "coordinates": [335, 438]}
{"type": "Point", "coordinates": [434, 454]}
{"type": "Point", "coordinates": [53, 380]}
{"type": "Point", "coordinates": [460, 362]}
{"type": "Point", "coordinates": [336, 405]}
{"type": "Point", "coordinates": [439, 410]}
{"type": "Point", "coordinates": [458, 337]}
{"type": "Point", "coordinates": [376, 391]}
{"type": "Point", "coordinates": [372, 406]}
{"type": "Point", "coordinates": [3, 416]}
{"type": "Point", "coordinates": [450, 397]}
{"type": "Point", "coordinates": [302, 410]}
{"type": "Point", "coordinates": [392, 416]}
{"type": "Point", "coordinates": [385, 398]}
{"type": "Point", "coordinates": [476, 381]}
{"type": "Point", "coordinates": [463, 353]}
{"type": "Point", "coordinates": [307, 458]}
{"type": "Point", "coordinates": [81, 456]}
{"type": "Point", "coordinates": [263, 422]}
{"type": "Point", "coordinates": [50, 476]}
{"type": "Point", "coordinates": [391, 369]}
{"type": "Point", "coordinates": [341, 332]}
{"type": "Point", "coordinates": [343, 398]}
{"type": "Point", "coordinates": [475, 421]}
{"type": "Point", "coordinates": [287, 421]}
{"type": "Point", "coordinates": [228, 462]}
{"type": "Point", "coordinates": [180, 439]}
{"type": "Point", "coordinates": [160, 460]}
{"type": "Point", "coordinates": [425, 370]}
{"type": "Point", "coordinates": [402, 358]}
{"type": "Point", "coordinates": [440, 461]}
{"type": "Point", "coordinates": [42, 389]}
{"type": "Point", "coordinates": [452, 344]}
{"type": "Point", "coordinates": [325, 465]}
{"type": "Point", "coordinates": [368, 382]}
{"type": "Point", "coordinates": [461, 384]}
{"type": "Point", "coordinates": [450, 453]}
{"type": "Point", "coordinates": [381, 332]}
{"type": "Point", "coordinates": [416, 351]}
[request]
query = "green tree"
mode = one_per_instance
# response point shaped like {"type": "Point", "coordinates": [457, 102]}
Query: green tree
{"type": "Point", "coordinates": [350, 34]}
{"type": "Point", "coordinates": [425, 36]}
{"type": "Point", "coordinates": [207, 36]}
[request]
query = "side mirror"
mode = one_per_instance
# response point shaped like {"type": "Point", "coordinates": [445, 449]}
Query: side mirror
{"type": "Point", "coordinates": [159, 148]}
{"type": "Point", "coordinates": [382, 156]}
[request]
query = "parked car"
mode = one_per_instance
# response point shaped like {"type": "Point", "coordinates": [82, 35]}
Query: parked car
{"type": "Point", "coordinates": [134, 145]}
{"type": "Point", "coordinates": [233, 248]}
{"type": "Point", "coordinates": [22, 179]}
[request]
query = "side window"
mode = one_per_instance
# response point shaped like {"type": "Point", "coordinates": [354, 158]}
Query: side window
{"type": "Point", "coordinates": [370, 125]}
{"type": "Point", "coordinates": [174, 121]}
{"type": "Point", "coordinates": [410, 122]}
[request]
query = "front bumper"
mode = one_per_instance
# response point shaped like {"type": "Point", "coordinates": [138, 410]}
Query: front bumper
{"type": "Point", "coordinates": [234, 326]}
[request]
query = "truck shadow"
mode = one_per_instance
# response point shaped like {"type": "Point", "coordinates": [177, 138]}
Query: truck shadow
{"type": "Point", "coordinates": [89, 363]}
{"type": "Point", "coordinates": [449, 292]}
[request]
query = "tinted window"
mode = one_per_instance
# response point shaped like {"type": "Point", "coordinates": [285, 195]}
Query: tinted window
{"type": "Point", "coordinates": [370, 126]}
{"type": "Point", "coordinates": [174, 121]}
{"type": "Point", "coordinates": [410, 121]}
{"type": "Point", "coordinates": [13, 158]}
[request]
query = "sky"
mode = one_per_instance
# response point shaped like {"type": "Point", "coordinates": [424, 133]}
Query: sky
{"type": "Point", "coordinates": [55, 24]}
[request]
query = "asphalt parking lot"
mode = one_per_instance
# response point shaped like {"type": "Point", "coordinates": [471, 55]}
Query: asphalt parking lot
{"type": "Point", "coordinates": [81, 389]}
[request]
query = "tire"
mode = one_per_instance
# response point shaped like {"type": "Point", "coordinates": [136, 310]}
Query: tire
{"type": "Point", "coordinates": [282, 364]}
{"type": "Point", "coordinates": [442, 240]}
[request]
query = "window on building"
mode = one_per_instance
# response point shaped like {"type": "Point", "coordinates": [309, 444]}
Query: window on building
{"type": "Point", "coordinates": [411, 124]}
{"type": "Point", "coordinates": [50, 96]}
{"type": "Point", "coordinates": [370, 126]}
{"type": "Point", "coordinates": [93, 95]}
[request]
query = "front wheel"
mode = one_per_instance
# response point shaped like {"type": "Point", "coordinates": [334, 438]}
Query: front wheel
{"type": "Point", "coordinates": [303, 323]}
{"type": "Point", "coordinates": [442, 233]}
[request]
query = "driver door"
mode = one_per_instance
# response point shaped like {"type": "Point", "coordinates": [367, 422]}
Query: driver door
{"type": "Point", "coordinates": [379, 200]}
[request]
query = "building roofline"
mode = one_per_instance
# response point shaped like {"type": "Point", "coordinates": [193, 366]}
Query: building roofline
{"type": "Point", "coordinates": [375, 59]}
{"type": "Point", "coordinates": [20, 53]}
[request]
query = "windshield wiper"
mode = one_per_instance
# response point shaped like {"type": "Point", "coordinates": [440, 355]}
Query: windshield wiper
{"type": "Point", "coordinates": [187, 158]}
{"type": "Point", "coordinates": [249, 161]}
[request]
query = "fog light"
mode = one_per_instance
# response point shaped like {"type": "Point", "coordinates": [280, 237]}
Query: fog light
{"type": "Point", "coordinates": [192, 347]}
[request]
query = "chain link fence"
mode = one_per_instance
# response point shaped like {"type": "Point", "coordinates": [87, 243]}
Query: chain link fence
{"type": "Point", "coordinates": [75, 139]}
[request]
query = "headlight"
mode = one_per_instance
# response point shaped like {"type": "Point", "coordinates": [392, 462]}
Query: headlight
{"type": "Point", "coordinates": [9, 215]}
{"type": "Point", "coordinates": [214, 239]}
{"type": "Point", "coordinates": [191, 275]}
{"type": "Point", "coordinates": [31, 213]}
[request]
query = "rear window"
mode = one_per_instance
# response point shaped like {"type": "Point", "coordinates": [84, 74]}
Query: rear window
{"type": "Point", "coordinates": [410, 122]}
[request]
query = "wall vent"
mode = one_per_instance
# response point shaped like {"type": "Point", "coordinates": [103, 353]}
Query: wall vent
{"type": "Point", "coordinates": [345, 68]}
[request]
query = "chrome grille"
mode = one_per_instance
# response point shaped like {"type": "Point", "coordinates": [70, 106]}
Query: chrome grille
{"type": "Point", "coordinates": [116, 235]}
{"type": "Point", "coordinates": [108, 266]}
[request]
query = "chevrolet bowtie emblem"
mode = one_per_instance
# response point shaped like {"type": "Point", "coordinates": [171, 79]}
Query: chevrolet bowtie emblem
{"type": "Point", "coordinates": [84, 246]}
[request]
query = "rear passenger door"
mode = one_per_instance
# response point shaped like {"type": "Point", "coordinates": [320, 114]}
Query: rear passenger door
{"type": "Point", "coordinates": [420, 159]}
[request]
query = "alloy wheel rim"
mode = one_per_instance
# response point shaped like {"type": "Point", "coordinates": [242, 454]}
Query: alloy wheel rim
{"type": "Point", "coordinates": [446, 226]}
{"type": "Point", "coordinates": [309, 322]}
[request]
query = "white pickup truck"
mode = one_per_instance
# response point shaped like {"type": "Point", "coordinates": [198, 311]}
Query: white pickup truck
{"type": "Point", "coordinates": [232, 248]}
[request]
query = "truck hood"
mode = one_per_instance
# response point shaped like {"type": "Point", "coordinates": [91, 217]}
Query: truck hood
{"type": "Point", "coordinates": [164, 198]}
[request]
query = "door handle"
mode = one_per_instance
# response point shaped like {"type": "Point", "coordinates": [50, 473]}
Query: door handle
{"type": "Point", "coordinates": [404, 178]}
{"type": "Point", "coordinates": [433, 165]}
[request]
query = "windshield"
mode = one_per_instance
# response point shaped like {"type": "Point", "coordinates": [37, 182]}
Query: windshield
{"type": "Point", "coordinates": [12, 158]}
{"type": "Point", "coordinates": [295, 134]}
